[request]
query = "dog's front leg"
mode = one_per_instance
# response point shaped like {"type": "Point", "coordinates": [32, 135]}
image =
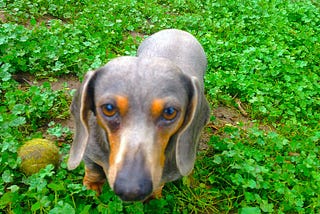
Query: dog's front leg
{"type": "Point", "coordinates": [157, 193]}
{"type": "Point", "coordinates": [94, 178]}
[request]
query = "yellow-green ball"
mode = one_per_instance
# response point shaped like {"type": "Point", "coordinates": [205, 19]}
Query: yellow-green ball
{"type": "Point", "coordinates": [36, 154]}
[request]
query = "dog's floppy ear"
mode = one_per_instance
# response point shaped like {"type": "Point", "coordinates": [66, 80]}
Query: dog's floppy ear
{"type": "Point", "coordinates": [196, 117]}
{"type": "Point", "coordinates": [80, 108]}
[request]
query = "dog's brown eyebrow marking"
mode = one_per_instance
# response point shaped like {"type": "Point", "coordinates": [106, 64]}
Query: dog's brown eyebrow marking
{"type": "Point", "coordinates": [157, 107]}
{"type": "Point", "coordinates": [122, 104]}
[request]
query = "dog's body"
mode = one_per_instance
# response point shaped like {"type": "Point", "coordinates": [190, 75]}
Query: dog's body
{"type": "Point", "coordinates": [138, 119]}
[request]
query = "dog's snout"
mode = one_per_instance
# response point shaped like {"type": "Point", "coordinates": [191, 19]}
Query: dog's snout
{"type": "Point", "coordinates": [133, 181]}
{"type": "Point", "coordinates": [131, 189]}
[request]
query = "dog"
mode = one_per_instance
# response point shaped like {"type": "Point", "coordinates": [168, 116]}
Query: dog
{"type": "Point", "coordinates": [138, 118]}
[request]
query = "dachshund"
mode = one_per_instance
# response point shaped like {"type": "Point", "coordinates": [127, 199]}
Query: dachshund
{"type": "Point", "coordinates": [138, 118]}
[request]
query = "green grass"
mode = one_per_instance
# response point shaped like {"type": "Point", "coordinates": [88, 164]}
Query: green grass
{"type": "Point", "coordinates": [265, 54]}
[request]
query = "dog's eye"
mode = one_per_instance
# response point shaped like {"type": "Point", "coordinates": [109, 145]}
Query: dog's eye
{"type": "Point", "coordinates": [109, 110]}
{"type": "Point", "coordinates": [169, 113]}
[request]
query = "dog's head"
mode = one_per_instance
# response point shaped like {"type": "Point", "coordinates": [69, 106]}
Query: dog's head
{"type": "Point", "coordinates": [142, 105]}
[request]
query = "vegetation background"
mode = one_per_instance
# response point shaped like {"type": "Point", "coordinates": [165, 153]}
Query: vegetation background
{"type": "Point", "coordinates": [260, 152]}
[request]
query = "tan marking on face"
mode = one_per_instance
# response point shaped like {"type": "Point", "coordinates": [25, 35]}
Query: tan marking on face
{"type": "Point", "coordinates": [157, 157]}
{"type": "Point", "coordinates": [122, 103]}
{"type": "Point", "coordinates": [120, 141]}
{"type": "Point", "coordinates": [164, 137]}
{"type": "Point", "coordinates": [157, 107]}
{"type": "Point", "coordinates": [114, 142]}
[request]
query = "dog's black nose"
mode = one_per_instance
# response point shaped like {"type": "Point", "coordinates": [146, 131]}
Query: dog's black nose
{"type": "Point", "coordinates": [133, 181]}
{"type": "Point", "coordinates": [132, 189]}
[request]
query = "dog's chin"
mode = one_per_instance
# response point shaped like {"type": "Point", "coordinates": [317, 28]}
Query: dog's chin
{"type": "Point", "coordinates": [130, 200]}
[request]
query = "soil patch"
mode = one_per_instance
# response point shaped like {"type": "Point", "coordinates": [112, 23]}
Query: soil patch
{"type": "Point", "coordinates": [223, 116]}
{"type": "Point", "coordinates": [66, 83]}
{"type": "Point", "coordinates": [3, 18]}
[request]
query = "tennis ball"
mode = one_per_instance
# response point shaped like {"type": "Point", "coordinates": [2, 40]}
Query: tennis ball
{"type": "Point", "coordinates": [36, 154]}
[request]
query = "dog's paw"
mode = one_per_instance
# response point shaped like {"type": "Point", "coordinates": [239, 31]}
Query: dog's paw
{"type": "Point", "coordinates": [93, 180]}
{"type": "Point", "coordinates": [96, 186]}
{"type": "Point", "coordinates": [156, 194]}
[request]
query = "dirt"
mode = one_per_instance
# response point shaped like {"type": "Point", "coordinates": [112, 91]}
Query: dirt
{"type": "Point", "coordinates": [223, 116]}
{"type": "Point", "coordinates": [68, 83]}
{"type": "Point", "coordinates": [3, 16]}
{"type": "Point", "coordinates": [45, 19]}
{"type": "Point", "coordinates": [72, 83]}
